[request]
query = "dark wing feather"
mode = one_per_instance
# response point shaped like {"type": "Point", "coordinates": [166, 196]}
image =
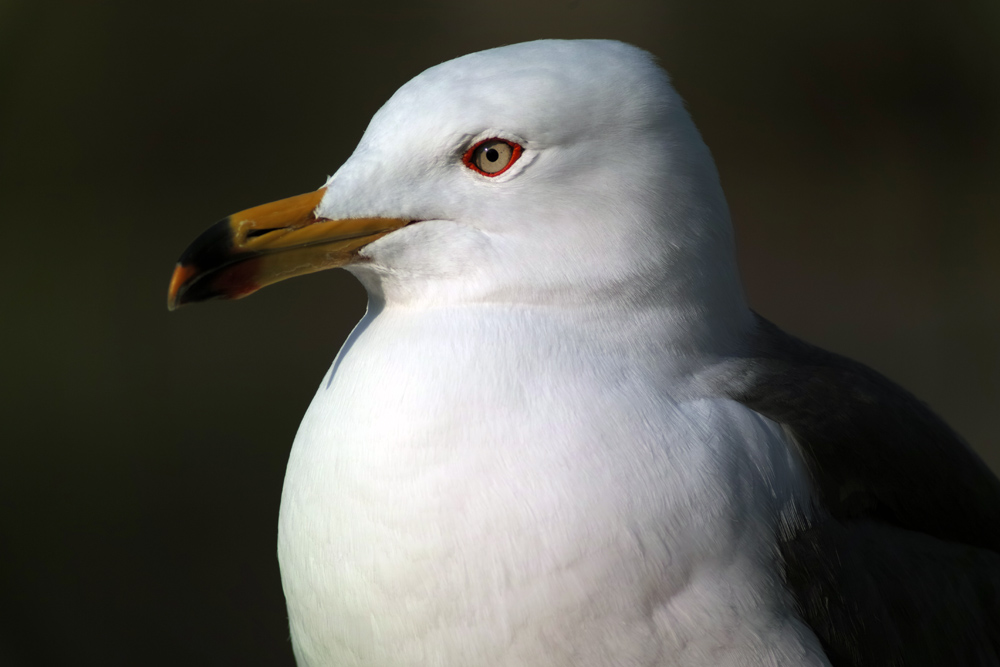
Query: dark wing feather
{"type": "Point", "coordinates": [901, 565]}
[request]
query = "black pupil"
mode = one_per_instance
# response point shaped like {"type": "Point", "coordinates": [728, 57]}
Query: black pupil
{"type": "Point", "coordinates": [492, 154]}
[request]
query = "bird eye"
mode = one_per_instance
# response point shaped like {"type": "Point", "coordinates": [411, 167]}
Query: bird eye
{"type": "Point", "coordinates": [491, 157]}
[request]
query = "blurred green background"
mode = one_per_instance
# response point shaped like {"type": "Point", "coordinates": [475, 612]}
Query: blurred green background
{"type": "Point", "coordinates": [143, 451]}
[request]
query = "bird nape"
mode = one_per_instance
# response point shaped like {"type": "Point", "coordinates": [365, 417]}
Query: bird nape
{"type": "Point", "coordinates": [560, 436]}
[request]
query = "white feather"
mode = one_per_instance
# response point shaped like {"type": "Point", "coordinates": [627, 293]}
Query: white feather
{"type": "Point", "coordinates": [512, 461]}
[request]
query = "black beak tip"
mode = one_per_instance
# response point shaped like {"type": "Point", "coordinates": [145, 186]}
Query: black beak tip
{"type": "Point", "coordinates": [213, 248]}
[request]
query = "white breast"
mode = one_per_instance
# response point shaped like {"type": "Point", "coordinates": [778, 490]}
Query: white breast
{"type": "Point", "coordinates": [488, 502]}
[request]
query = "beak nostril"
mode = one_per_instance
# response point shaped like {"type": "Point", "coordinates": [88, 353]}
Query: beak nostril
{"type": "Point", "coordinates": [254, 233]}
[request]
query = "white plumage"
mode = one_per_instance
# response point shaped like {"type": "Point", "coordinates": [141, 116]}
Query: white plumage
{"type": "Point", "coordinates": [513, 461]}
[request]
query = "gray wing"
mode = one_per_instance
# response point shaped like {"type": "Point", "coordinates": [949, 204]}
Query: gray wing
{"type": "Point", "coordinates": [901, 563]}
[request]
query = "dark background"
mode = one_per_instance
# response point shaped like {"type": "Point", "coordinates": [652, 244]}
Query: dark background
{"type": "Point", "coordinates": [143, 451]}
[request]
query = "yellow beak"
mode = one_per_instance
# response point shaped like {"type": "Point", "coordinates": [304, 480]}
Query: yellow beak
{"type": "Point", "coordinates": [262, 245]}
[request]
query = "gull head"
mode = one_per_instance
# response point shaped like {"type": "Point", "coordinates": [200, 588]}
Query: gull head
{"type": "Point", "coordinates": [549, 172]}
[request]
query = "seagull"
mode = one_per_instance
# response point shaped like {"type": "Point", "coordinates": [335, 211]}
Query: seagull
{"type": "Point", "coordinates": [560, 436]}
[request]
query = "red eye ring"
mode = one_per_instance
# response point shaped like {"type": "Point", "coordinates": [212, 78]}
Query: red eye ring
{"type": "Point", "coordinates": [469, 158]}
